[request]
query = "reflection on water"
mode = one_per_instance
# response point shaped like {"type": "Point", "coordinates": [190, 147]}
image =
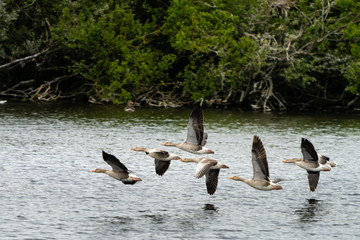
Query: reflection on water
{"type": "Point", "coordinates": [312, 211]}
{"type": "Point", "coordinates": [210, 208]}
{"type": "Point", "coordinates": [156, 218]}
{"type": "Point", "coordinates": [120, 220]}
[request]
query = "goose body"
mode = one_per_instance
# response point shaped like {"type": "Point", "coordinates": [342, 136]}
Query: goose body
{"type": "Point", "coordinates": [309, 166]}
{"type": "Point", "coordinates": [210, 168]}
{"type": "Point", "coordinates": [119, 171]}
{"type": "Point", "coordinates": [311, 162]}
{"type": "Point", "coordinates": [162, 158]}
{"type": "Point", "coordinates": [258, 183]}
{"type": "Point", "coordinates": [196, 137]}
{"type": "Point", "coordinates": [261, 177]}
{"type": "Point", "coordinates": [130, 107]}
{"type": "Point", "coordinates": [324, 163]}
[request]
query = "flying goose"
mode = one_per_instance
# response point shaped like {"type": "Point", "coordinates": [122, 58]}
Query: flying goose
{"type": "Point", "coordinates": [196, 137]}
{"type": "Point", "coordinates": [208, 167]}
{"type": "Point", "coordinates": [261, 177]}
{"type": "Point", "coordinates": [162, 158]}
{"type": "Point", "coordinates": [322, 160]}
{"type": "Point", "coordinates": [310, 162]}
{"type": "Point", "coordinates": [119, 171]}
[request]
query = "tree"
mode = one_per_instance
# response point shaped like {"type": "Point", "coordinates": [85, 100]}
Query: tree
{"type": "Point", "coordinates": [258, 54]}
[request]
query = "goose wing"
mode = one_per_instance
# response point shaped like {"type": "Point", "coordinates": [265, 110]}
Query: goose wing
{"type": "Point", "coordinates": [195, 128]}
{"type": "Point", "coordinates": [313, 178]}
{"type": "Point", "coordinates": [159, 154]}
{"type": "Point", "coordinates": [308, 151]}
{"type": "Point", "coordinates": [276, 180]}
{"type": "Point", "coordinates": [203, 166]}
{"type": "Point", "coordinates": [204, 139]}
{"type": "Point", "coordinates": [115, 163]}
{"type": "Point", "coordinates": [212, 180]}
{"type": "Point", "coordinates": [259, 162]}
{"type": "Point", "coordinates": [161, 166]}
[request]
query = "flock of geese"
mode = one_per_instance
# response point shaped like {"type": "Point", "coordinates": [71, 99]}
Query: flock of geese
{"type": "Point", "coordinates": [195, 141]}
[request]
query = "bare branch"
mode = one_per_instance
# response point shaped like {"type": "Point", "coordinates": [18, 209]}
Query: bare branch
{"type": "Point", "coordinates": [20, 60]}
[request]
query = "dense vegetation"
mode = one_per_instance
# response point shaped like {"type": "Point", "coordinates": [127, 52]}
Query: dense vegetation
{"type": "Point", "coordinates": [254, 54]}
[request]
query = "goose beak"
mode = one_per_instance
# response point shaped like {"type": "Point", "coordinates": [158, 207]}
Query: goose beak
{"type": "Point", "coordinates": [277, 187]}
{"type": "Point", "coordinates": [332, 164]}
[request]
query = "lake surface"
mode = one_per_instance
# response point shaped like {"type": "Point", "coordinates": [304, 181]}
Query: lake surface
{"type": "Point", "coordinates": [47, 189]}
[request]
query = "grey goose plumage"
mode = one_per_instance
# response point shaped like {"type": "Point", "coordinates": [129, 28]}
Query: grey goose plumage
{"type": "Point", "coordinates": [196, 137]}
{"type": "Point", "coordinates": [119, 171]}
{"type": "Point", "coordinates": [210, 168]}
{"type": "Point", "coordinates": [162, 158]}
{"type": "Point", "coordinates": [310, 162]}
{"type": "Point", "coordinates": [261, 176]}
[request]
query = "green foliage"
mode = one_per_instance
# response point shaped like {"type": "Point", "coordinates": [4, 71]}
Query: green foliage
{"type": "Point", "coordinates": [352, 70]}
{"type": "Point", "coordinates": [7, 17]}
{"type": "Point", "coordinates": [351, 45]}
{"type": "Point", "coordinates": [112, 48]}
{"type": "Point", "coordinates": [214, 49]}
{"type": "Point", "coordinates": [25, 26]}
{"type": "Point", "coordinates": [353, 74]}
{"type": "Point", "coordinates": [25, 30]}
{"type": "Point", "coordinates": [218, 55]}
{"type": "Point", "coordinates": [317, 55]}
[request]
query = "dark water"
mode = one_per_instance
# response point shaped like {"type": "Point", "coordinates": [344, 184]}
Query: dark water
{"type": "Point", "coordinates": [47, 189]}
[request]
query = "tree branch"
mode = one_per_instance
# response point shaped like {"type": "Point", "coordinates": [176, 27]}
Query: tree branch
{"type": "Point", "coordinates": [20, 60]}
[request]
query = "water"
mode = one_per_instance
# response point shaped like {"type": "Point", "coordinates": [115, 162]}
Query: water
{"type": "Point", "coordinates": [48, 191]}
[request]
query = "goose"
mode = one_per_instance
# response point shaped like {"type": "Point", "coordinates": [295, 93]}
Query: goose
{"type": "Point", "coordinates": [310, 162]}
{"type": "Point", "coordinates": [322, 160]}
{"type": "Point", "coordinates": [196, 137]}
{"type": "Point", "coordinates": [130, 106]}
{"type": "Point", "coordinates": [119, 171]}
{"type": "Point", "coordinates": [162, 158]}
{"type": "Point", "coordinates": [208, 167]}
{"type": "Point", "coordinates": [261, 177]}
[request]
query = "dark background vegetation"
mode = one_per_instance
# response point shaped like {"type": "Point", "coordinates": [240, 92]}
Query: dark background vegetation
{"type": "Point", "coordinates": [253, 54]}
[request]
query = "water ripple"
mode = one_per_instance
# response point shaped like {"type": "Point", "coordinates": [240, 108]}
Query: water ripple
{"type": "Point", "coordinates": [49, 192]}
